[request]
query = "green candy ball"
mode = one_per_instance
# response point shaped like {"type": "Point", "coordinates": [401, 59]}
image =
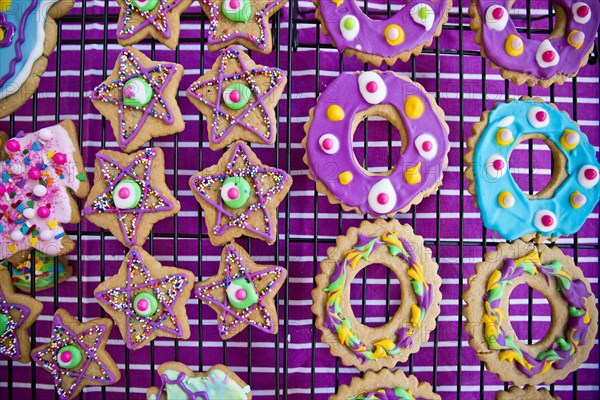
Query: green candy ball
{"type": "Point", "coordinates": [237, 10]}
{"type": "Point", "coordinates": [137, 93]}
{"type": "Point", "coordinates": [241, 294]}
{"type": "Point", "coordinates": [148, 305]}
{"type": "Point", "coordinates": [235, 192]}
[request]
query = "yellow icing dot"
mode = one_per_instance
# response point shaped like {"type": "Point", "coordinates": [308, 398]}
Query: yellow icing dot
{"type": "Point", "coordinates": [514, 45]}
{"type": "Point", "coordinates": [1, 34]}
{"type": "Point", "coordinates": [575, 38]}
{"type": "Point", "coordinates": [569, 140]}
{"type": "Point", "coordinates": [504, 137]}
{"type": "Point", "coordinates": [12, 248]}
{"type": "Point", "coordinates": [577, 200]}
{"type": "Point", "coordinates": [33, 241]}
{"type": "Point", "coordinates": [412, 176]}
{"type": "Point", "coordinates": [52, 224]}
{"type": "Point", "coordinates": [338, 2]}
{"type": "Point", "coordinates": [4, 6]}
{"type": "Point", "coordinates": [335, 113]}
{"type": "Point", "coordinates": [506, 199]}
{"type": "Point", "coordinates": [414, 107]}
{"type": "Point", "coordinates": [394, 34]}
{"type": "Point", "coordinates": [50, 154]}
{"type": "Point", "coordinates": [345, 177]}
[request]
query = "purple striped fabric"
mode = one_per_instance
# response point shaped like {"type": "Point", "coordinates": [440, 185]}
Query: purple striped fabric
{"type": "Point", "coordinates": [295, 363]}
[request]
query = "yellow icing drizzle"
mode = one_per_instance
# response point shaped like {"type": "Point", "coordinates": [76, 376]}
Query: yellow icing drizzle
{"type": "Point", "coordinates": [412, 174]}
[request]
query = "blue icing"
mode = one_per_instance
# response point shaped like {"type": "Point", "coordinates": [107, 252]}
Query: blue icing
{"type": "Point", "coordinates": [517, 221]}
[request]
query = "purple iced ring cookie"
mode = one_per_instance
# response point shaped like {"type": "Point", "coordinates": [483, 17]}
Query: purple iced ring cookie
{"type": "Point", "coordinates": [398, 37]}
{"type": "Point", "coordinates": [535, 61]}
{"type": "Point", "coordinates": [330, 157]}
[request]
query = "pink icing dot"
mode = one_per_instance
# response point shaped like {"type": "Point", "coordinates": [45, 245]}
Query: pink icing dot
{"type": "Point", "coordinates": [13, 145]}
{"type": "Point", "coordinates": [124, 192]}
{"type": "Point", "coordinates": [577, 37]}
{"type": "Point", "coordinates": [233, 193]}
{"type": "Point", "coordinates": [43, 212]}
{"type": "Point", "coordinates": [541, 116]}
{"type": "Point", "coordinates": [382, 198]}
{"type": "Point", "coordinates": [590, 174]}
{"type": "Point", "coordinates": [34, 173]}
{"type": "Point", "coordinates": [547, 220]}
{"type": "Point", "coordinates": [548, 56]}
{"type": "Point", "coordinates": [235, 95]}
{"type": "Point", "coordinates": [143, 304]}
{"type": "Point", "coordinates": [129, 92]}
{"type": "Point", "coordinates": [234, 4]}
{"type": "Point", "coordinates": [66, 356]}
{"type": "Point", "coordinates": [427, 145]}
{"type": "Point", "coordinates": [60, 158]}
{"type": "Point", "coordinates": [328, 144]}
{"type": "Point", "coordinates": [240, 294]}
{"type": "Point", "coordinates": [2, 190]}
{"type": "Point", "coordinates": [498, 165]}
{"type": "Point", "coordinates": [372, 87]}
{"type": "Point", "coordinates": [583, 11]}
{"type": "Point", "coordinates": [579, 199]}
{"type": "Point", "coordinates": [498, 13]}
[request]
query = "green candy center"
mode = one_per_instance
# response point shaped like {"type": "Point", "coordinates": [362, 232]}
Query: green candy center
{"type": "Point", "coordinates": [349, 23]}
{"type": "Point", "coordinates": [236, 96]}
{"type": "Point", "coordinates": [69, 357]}
{"type": "Point", "coordinates": [144, 5]}
{"type": "Point", "coordinates": [237, 10]}
{"type": "Point", "coordinates": [127, 194]}
{"type": "Point", "coordinates": [241, 294]}
{"type": "Point", "coordinates": [422, 12]}
{"type": "Point", "coordinates": [3, 324]}
{"type": "Point", "coordinates": [235, 192]}
{"type": "Point", "coordinates": [145, 304]}
{"type": "Point", "coordinates": [137, 92]}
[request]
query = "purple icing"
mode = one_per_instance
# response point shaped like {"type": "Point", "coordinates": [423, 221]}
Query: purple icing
{"type": "Point", "coordinates": [9, 31]}
{"type": "Point", "coordinates": [12, 326]}
{"type": "Point", "coordinates": [179, 382]}
{"type": "Point", "coordinates": [344, 92]}
{"type": "Point", "coordinates": [371, 38]}
{"type": "Point", "coordinates": [18, 43]}
{"type": "Point", "coordinates": [158, 19]}
{"type": "Point", "coordinates": [570, 57]}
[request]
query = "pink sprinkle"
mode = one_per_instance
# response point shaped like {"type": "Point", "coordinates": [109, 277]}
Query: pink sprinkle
{"type": "Point", "coordinates": [328, 144]}
{"type": "Point", "coordinates": [2, 190]}
{"type": "Point", "coordinates": [382, 198]}
{"type": "Point", "coordinates": [372, 87]}
{"type": "Point", "coordinates": [235, 95]}
{"type": "Point", "coordinates": [498, 13]}
{"type": "Point", "coordinates": [143, 304]}
{"type": "Point", "coordinates": [498, 165]}
{"type": "Point", "coordinates": [548, 56]}
{"type": "Point", "coordinates": [427, 145]}
{"type": "Point", "coordinates": [590, 174]}
{"type": "Point", "coordinates": [541, 116]}
{"type": "Point", "coordinates": [547, 220]}
{"type": "Point", "coordinates": [233, 193]}
{"type": "Point", "coordinates": [66, 356]}
{"type": "Point", "coordinates": [240, 294]}
{"type": "Point", "coordinates": [60, 158]}
{"type": "Point", "coordinates": [583, 11]}
{"type": "Point", "coordinates": [234, 4]}
{"type": "Point", "coordinates": [34, 173]}
{"type": "Point", "coordinates": [43, 212]}
{"type": "Point", "coordinates": [124, 192]}
{"type": "Point", "coordinates": [13, 145]}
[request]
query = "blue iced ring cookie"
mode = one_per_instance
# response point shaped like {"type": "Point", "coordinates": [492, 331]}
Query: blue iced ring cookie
{"type": "Point", "coordinates": [564, 205]}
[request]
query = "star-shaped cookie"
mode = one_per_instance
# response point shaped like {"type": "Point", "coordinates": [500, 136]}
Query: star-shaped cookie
{"type": "Point", "coordinates": [75, 355]}
{"type": "Point", "coordinates": [238, 99]}
{"type": "Point", "coordinates": [147, 300]}
{"type": "Point", "coordinates": [245, 22]}
{"type": "Point", "coordinates": [242, 293]}
{"type": "Point", "coordinates": [138, 98]}
{"type": "Point", "coordinates": [17, 313]}
{"type": "Point", "coordinates": [240, 196]}
{"type": "Point", "coordinates": [157, 18]}
{"type": "Point", "coordinates": [130, 194]}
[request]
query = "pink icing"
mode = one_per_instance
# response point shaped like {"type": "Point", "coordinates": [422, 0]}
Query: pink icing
{"type": "Point", "coordinates": [124, 193]}
{"type": "Point", "coordinates": [590, 174]}
{"type": "Point", "coordinates": [233, 193]}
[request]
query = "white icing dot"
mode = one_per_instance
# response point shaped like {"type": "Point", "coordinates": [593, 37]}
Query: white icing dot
{"type": "Point", "coordinates": [506, 135]}
{"type": "Point", "coordinates": [16, 168]}
{"type": "Point", "coordinates": [538, 117]}
{"type": "Point", "coordinates": [509, 201]}
{"type": "Point", "coordinates": [546, 56]}
{"type": "Point", "coordinates": [588, 176]}
{"type": "Point", "coordinates": [581, 12]}
{"type": "Point", "coordinates": [17, 235]}
{"type": "Point", "coordinates": [329, 143]}
{"type": "Point", "coordinates": [426, 146]}
{"type": "Point", "coordinates": [506, 121]}
{"type": "Point", "coordinates": [572, 138]}
{"type": "Point", "coordinates": [349, 26]}
{"type": "Point", "coordinates": [545, 221]}
{"type": "Point", "coordinates": [40, 190]}
{"type": "Point", "coordinates": [382, 197]}
{"type": "Point", "coordinates": [372, 88]}
{"type": "Point", "coordinates": [496, 17]}
{"type": "Point", "coordinates": [496, 166]}
{"type": "Point", "coordinates": [46, 235]}
{"type": "Point", "coordinates": [393, 34]}
{"type": "Point", "coordinates": [29, 213]}
{"type": "Point", "coordinates": [45, 134]}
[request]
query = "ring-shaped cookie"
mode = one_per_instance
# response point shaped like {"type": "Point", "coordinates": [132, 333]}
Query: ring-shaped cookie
{"type": "Point", "coordinates": [571, 335]}
{"type": "Point", "coordinates": [534, 61]}
{"type": "Point", "coordinates": [328, 143]}
{"type": "Point", "coordinates": [388, 385]}
{"type": "Point", "coordinates": [403, 34]}
{"type": "Point", "coordinates": [398, 248]}
{"type": "Point", "coordinates": [559, 209]}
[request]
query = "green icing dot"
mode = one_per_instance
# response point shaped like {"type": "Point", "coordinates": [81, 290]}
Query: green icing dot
{"type": "Point", "coordinates": [236, 96]}
{"type": "Point", "coordinates": [349, 23]}
{"type": "Point", "coordinates": [422, 13]}
{"type": "Point", "coordinates": [235, 192]}
{"type": "Point", "coordinates": [144, 5]}
{"type": "Point", "coordinates": [69, 362]}
{"type": "Point", "coordinates": [3, 323]}
{"type": "Point", "coordinates": [136, 93]}
{"type": "Point", "coordinates": [148, 305]}
{"type": "Point", "coordinates": [241, 294]}
{"type": "Point", "coordinates": [237, 10]}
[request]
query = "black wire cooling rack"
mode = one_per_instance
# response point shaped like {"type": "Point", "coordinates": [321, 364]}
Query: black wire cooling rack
{"type": "Point", "coordinates": [290, 38]}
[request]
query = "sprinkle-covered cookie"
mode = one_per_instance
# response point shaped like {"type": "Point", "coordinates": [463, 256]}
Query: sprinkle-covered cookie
{"type": "Point", "coordinates": [238, 99]}
{"type": "Point", "coordinates": [44, 271]}
{"type": "Point", "coordinates": [242, 293]}
{"type": "Point", "coordinates": [41, 173]}
{"type": "Point", "coordinates": [17, 313]}
{"type": "Point", "coordinates": [240, 196]}
{"type": "Point", "coordinates": [75, 355]}
{"type": "Point", "coordinates": [157, 18]}
{"type": "Point", "coordinates": [138, 98]}
{"type": "Point", "coordinates": [130, 194]}
{"type": "Point", "coordinates": [147, 300]}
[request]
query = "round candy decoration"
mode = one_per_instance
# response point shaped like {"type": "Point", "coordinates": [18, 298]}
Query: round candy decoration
{"type": "Point", "coordinates": [418, 172]}
{"type": "Point", "coordinates": [398, 248]}
{"type": "Point", "coordinates": [563, 205]}
{"type": "Point", "coordinates": [403, 34]}
{"type": "Point", "coordinates": [236, 96]}
{"type": "Point", "coordinates": [136, 93]}
{"type": "Point", "coordinates": [241, 294]}
{"type": "Point", "coordinates": [533, 61]}
{"type": "Point", "coordinates": [69, 357]}
{"type": "Point", "coordinates": [145, 304]}
{"type": "Point", "coordinates": [235, 191]}
{"type": "Point", "coordinates": [127, 194]}
{"type": "Point", "coordinates": [144, 5]}
{"type": "Point", "coordinates": [572, 332]}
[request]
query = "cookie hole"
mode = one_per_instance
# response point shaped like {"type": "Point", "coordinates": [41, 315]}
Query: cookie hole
{"type": "Point", "coordinates": [541, 20]}
{"type": "Point", "coordinates": [520, 315]}
{"type": "Point", "coordinates": [378, 311]}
